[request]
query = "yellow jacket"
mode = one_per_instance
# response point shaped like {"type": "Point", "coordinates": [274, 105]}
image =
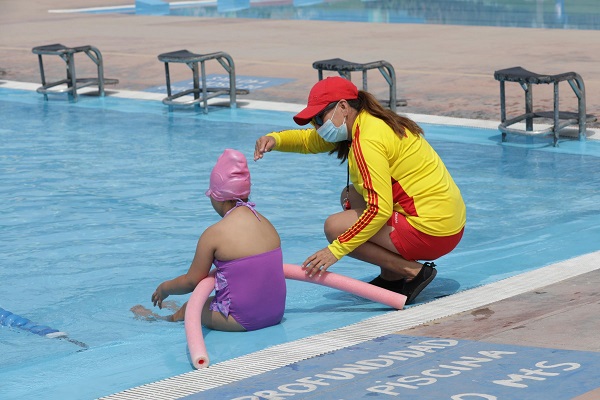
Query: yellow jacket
{"type": "Point", "coordinates": [392, 173]}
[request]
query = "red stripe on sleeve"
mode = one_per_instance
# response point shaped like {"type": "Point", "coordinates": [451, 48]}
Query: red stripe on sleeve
{"type": "Point", "coordinates": [373, 200]}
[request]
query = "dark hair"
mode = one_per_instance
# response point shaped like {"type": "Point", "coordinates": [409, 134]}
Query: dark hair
{"type": "Point", "coordinates": [328, 107]}
{"type": "Point", "coordinates": [367, 102]}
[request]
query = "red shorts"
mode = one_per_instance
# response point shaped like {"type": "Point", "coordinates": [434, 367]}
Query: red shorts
{"type": "Point", "coordinates": [416, 245]}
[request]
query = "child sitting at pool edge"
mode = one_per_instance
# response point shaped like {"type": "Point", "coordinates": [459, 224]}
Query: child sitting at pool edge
{"type": "Point", "coordinates": [246, 251]}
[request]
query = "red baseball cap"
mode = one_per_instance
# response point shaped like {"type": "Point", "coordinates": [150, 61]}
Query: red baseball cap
{"type": "Point", "coordinates": [333, 88]}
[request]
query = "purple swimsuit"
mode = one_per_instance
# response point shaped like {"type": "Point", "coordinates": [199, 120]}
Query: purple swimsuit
{"type": "Point", "coordinates": [251, 289]}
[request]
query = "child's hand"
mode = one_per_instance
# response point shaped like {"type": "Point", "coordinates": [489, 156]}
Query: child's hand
{"type": "Point", "coordinates": [158, 296]}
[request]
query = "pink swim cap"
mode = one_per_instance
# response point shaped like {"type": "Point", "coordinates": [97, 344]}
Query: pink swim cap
{"type": "Point", "coordinates": [230, 178]}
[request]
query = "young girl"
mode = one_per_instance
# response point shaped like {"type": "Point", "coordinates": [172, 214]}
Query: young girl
{"type": "Point", "coordinates": [245, 249]}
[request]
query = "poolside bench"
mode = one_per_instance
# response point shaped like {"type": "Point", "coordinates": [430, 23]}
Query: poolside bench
{"type": "Point", "coordinates": [345, 68]}
{"type": "Point", "coordinates": [526, 79]}
{"type": "Point", "coordinates": [67, 54]}
{"type": "Point", "coordinates": [201, 93]}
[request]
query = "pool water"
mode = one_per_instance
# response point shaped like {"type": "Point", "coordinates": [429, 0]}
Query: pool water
{"type": "Point", "coordinates": [104, 199]}
{"type": "Point", "coordinates": [545, 14]}
{"type": "Point", "coordinates": [550, 14]}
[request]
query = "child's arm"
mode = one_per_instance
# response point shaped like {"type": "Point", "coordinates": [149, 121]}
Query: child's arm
{"type": "Point", "coordinates": [198, 270]}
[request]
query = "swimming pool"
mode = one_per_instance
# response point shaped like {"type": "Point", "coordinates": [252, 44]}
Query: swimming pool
{"type": "Point", "coordinates": [550, 14]}
{"type": "Point", "coordinates": [103, 200]}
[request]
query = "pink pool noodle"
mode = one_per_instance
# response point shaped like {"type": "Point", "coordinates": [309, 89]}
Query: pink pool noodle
{"type": "Point", "coordinates": [347, 284]}
{"type": "Point", "coordinates": [193, 323]}
{"type": "Point", "coordinates": [193, 312]}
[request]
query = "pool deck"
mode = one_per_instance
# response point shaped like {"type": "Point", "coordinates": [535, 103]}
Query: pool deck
{"type": "Point", "coordinates": [441, 71]}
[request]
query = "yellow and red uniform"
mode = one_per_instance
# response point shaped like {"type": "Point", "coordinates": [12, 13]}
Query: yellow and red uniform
{"type": "Point", "coordinates": [392, 173]}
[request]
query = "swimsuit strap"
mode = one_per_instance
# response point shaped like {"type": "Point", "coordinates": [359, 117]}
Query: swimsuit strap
{"type": "Point", "coordinates": [241, 203]}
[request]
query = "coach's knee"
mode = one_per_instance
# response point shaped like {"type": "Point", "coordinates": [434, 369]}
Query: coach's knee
{"type": "Point", "coordinates": [333, 228]}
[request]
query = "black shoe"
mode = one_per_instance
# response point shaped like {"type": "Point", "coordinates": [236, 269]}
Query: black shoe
{"type": "Point", "coordinates": [412, 289]}
{"type": "Point", "coordinates": [394, 286]}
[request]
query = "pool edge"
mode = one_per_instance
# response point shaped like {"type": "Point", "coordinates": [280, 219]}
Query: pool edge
{"type": "Point", "coordinates": [592, 133]}
{"type": "Point", "coordinates": [269, 359]}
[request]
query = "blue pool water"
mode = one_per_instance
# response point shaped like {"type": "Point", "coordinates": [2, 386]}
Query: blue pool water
{"type": "Point", "coordinates": [103, 199]}
{"type": "Point", "coordinates": [549, 14]}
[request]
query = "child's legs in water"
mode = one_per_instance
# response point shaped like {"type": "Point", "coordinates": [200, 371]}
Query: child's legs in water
{"type": "Point", "coordinates": [210, 319]}
{"type": "Point", "coordinates": [217, 321]}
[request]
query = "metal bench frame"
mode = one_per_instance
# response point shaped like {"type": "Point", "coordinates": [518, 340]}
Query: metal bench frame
{"type": "Point", "coordinates": [201, 93]}
{"type": "Point", "coordinates": [67, 54]}
{"type": "Point", "coordinates": [345, 68]}
{"type": "Point", "coordinates": [561, 119]}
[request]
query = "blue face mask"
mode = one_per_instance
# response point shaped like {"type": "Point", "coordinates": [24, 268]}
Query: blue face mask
{"type": "Point", "coordinates": [331, 133]}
